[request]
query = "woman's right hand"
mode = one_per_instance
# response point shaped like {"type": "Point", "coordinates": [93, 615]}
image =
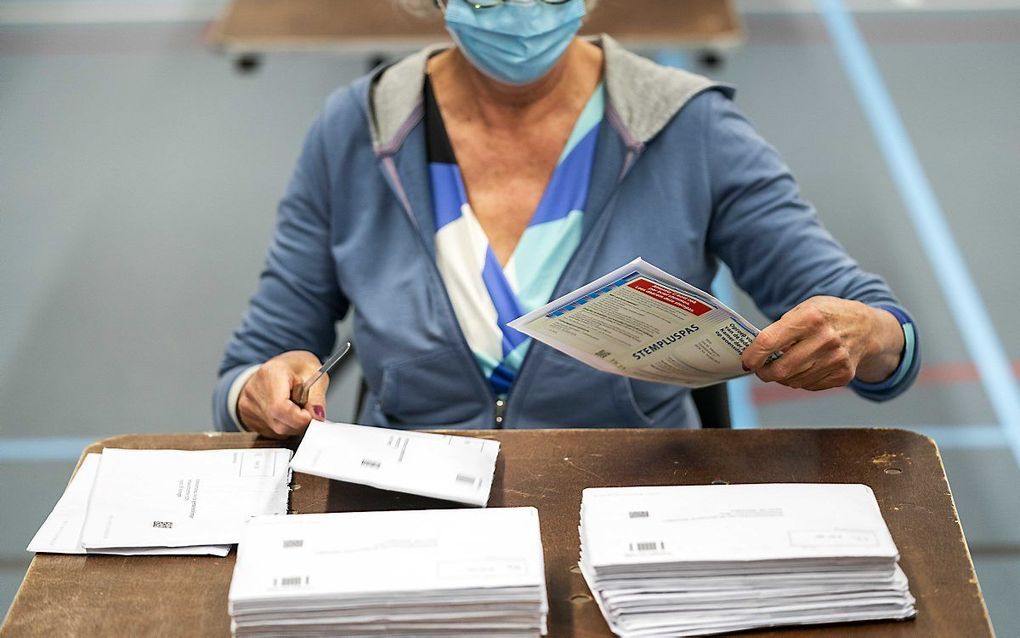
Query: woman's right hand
{"type": "Point", "coordinates": [264, 406]}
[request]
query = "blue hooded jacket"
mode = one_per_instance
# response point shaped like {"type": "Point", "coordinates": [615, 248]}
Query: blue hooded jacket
{"type": "Point", "coordinates": [680, 178]}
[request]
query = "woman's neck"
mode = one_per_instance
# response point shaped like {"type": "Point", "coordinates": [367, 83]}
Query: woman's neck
{"type": "Point", "coordinates": [471, 94]}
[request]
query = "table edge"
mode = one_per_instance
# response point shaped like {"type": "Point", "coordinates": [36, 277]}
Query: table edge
{"type": "Point", "coordinates": [112, 441]}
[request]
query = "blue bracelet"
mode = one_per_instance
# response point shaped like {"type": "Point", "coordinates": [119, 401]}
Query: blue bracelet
{"type": "Point", "coordinates": [908, 360]}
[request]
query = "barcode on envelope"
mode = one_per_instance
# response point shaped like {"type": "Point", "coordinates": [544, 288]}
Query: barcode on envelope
{"type": "Point", "coordinates": [292, 581]}
{"type": "Point", "coordinates": [640, 514]}
{"type": "Point", "coordinates": [466, 479]}
{"type": "Point", "coordinates": [647, 546]}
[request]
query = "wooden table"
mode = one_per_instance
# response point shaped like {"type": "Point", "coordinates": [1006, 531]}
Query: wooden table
{"type": "Point", "coordinates": [187, 596]}
{"type": "Point", "coordinates": [253, 26]}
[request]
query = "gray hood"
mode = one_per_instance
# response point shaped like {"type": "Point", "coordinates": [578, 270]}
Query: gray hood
{"type": "Point", "coordinates": [642, 96]}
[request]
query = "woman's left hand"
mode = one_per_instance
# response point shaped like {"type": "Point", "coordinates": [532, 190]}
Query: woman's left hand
{"type": "Point", "coordinates": [825, 342]}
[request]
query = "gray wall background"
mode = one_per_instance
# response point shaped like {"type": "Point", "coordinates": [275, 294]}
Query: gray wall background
{"type": "Point", "coordinates": [139, 176]}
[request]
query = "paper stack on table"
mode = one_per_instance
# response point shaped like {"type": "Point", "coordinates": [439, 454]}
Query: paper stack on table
{"type": "Point", "coordinates": [705, 559]}
{"type": "Point", "coordinates": [144, 502]}
{"type": "Point", "coordinates": [453, 468]}
{"type": "Point", "coordinates": [473, 572]}
{"type": "Point", "coordinates": [639, 321]}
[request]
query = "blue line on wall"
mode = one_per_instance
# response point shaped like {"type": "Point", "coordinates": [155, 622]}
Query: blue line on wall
{"type": "Point", "coordinates": [962, 297]}
{"type": "Point", "coordinates": [41, 449]}
{"type": "Point", "coordinates": [677, 58]}
{"type": "Point", "coordinates": [963, 437]}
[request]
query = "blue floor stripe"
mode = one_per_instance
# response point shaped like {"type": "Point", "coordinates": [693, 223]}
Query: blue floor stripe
{"type": "Point", "coordinates": [743, 414]}
{"type": "Point", "coordinates": [39, 449]}
{"type": "Point", "coordinates": [975, 325]}
{"type": "Point", "coordinates": [963, 437]}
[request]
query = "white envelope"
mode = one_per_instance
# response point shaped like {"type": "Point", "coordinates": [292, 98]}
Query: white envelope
{"type": "Point", "coordinates": [175, 498]}
{"type": "Point", "coordinates": [453, 468]}
{"type": "Point", "coordinates": [61, 531]}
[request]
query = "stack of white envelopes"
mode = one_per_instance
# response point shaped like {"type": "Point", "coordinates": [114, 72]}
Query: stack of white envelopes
{"type": "Point", "coordinates": [706, 559]}
{"type": "Point", "coordinates": [477, 572]}
{"type": "Point", "coordinates": [165, 501]}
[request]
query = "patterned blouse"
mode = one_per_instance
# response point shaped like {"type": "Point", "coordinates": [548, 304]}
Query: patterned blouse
{"type": "Point", "coordinates": [484, 295]}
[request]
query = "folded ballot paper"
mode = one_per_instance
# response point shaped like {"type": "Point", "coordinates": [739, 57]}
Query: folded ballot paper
{"type": "Point", "coordinates": [452, 468]}
{"type": "Point", "coordinates": [707, 559]}
{"type": "Point", "coordinates": [165, 501]}
{"type": "Point", "coordinates": [61, 532]}
{"type": "Point", "coordinates": [639, 321]}
{"type": "Point", "coordinates": [477, 572]}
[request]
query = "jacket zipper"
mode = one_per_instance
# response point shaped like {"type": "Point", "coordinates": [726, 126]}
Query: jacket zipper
{"type": "Point", "coordinates": [500, 411]}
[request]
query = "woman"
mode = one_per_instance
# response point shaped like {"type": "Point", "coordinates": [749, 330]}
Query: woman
{"type": "Point", "coordinates": [448, 193]}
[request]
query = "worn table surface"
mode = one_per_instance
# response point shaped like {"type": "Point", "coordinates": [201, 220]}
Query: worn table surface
{"type": "Point", "coordinates": [258, 25]}
{"type": "Point", "coordinates": [187, 596]}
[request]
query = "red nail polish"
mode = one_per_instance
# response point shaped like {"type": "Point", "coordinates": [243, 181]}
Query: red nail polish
{"type": "Point", "coordinates": [319, 412]}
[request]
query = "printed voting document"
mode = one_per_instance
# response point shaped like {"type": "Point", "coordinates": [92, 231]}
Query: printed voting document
{"type": "Point", "coordinates": [693, 560]}
{"type": "Point", "coordinates": [452, 468]}
{"type": "Point", "coordinates": [176, 498]}
{"type": "Point", "coordinates": [455, 572]}
{"type": "Point", "coordinates": [61, 532]}
{"type": "Point", "coordinates": [641, 322]}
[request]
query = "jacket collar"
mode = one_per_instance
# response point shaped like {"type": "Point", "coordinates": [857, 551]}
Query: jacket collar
{"type": "Point", "coordinates": [642, 95]}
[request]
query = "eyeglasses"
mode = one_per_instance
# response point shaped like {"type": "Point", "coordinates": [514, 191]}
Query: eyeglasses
{"type": "Point", "coordinates": [489, 4]}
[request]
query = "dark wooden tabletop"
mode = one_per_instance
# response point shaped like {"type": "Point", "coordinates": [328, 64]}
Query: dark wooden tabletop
{"type": "Point", "coordinates": [257, 25]}
{"type": "Point", "coordinates": [187, 595]}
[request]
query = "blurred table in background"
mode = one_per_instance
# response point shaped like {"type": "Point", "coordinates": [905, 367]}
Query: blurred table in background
{"type": "Point", "coordinates": [251, 27]}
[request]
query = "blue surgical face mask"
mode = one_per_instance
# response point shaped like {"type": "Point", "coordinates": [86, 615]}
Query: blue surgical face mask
{"type": "Point", "coordinates": [516, 42]}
